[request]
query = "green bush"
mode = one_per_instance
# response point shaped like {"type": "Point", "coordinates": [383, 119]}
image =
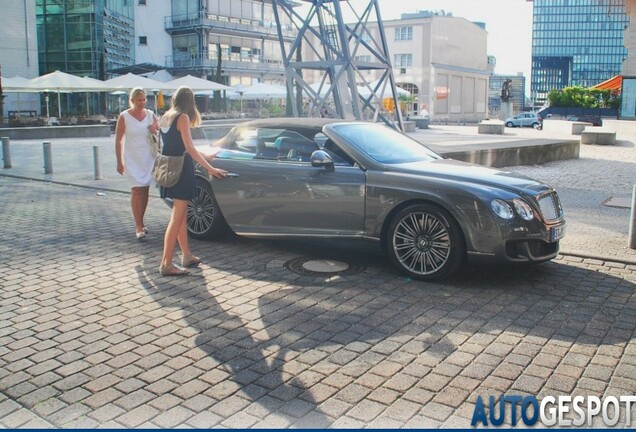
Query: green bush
{"type": "Point", "coordinates": [580, 97]}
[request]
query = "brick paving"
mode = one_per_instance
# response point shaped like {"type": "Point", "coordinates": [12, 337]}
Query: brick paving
{"type": "Point", "coordinates": [92, 337]}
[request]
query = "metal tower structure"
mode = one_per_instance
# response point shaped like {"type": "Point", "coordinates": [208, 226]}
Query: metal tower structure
{"type": "Point", "coordinates": [333, 48]}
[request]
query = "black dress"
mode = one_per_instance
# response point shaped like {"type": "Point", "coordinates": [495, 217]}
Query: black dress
{"type": "Point", "coordinates": [185, 189]}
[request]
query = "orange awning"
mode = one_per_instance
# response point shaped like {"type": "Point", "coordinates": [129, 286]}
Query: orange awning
{"type": "Point", "coordinates": [615, 83]}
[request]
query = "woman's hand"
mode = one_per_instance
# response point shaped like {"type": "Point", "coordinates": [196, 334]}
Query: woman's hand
{"type": "Point", "coordinates": [120, 167]}
{"type": "Point", "coordinates": [218, 173]}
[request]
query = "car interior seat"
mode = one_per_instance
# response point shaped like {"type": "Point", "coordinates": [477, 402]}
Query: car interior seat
{"type": "Point", "coordinates": [263, 151]}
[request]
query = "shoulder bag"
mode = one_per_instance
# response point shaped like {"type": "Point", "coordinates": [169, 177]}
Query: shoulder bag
{"type": "Point", "coordinates": [166, 170]}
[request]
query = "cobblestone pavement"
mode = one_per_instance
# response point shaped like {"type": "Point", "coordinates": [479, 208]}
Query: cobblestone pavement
{"type": "Point", "coordinates": [91, 336]}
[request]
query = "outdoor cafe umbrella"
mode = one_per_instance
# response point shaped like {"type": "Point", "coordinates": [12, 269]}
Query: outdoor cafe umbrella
{"type": "Point", "coordinates": [196, 84]}
{"type": "Point", "coordinates": [130, 81]}
{"type": "Point", "coordinates": [257, 91]}
{"type": "Point", "coordinates": [63, 82]}
{"type": "Point", "coordinates": [17, 84]}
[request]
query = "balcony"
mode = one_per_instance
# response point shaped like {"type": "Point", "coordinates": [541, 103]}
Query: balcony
{"type": "Point", "coordinates": [232, 26]}
{"type": "Point", "coordinates": [256, 64]}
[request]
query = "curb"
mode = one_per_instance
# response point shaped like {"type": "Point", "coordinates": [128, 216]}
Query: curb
{"type": "Point", "coordinates": [604, 258]}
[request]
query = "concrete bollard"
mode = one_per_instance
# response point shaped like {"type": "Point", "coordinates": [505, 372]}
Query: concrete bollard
{"type": "Point", "coordinates": [6, 152]}
{"type": "Point", "coordinates": [631, 237]}
{"type": "Point", "coordinates": [48, 160]}
{"type": "Point", "coordinates": [97, 164]}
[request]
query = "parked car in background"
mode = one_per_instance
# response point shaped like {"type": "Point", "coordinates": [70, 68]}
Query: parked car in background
{"type": "Point", "coordinates": [331, 179]}
{"type": "Point", "coordinates": [595, 120]}
{"type": "Point", "coordinates": [526, 119]}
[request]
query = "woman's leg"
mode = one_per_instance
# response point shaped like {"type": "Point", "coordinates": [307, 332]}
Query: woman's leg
{"type": "Point", "coordinates": [173, 232]}
{"type": "Point", "coordinates": [139, 203]}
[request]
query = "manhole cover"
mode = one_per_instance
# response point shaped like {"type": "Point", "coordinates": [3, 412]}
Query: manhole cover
{"type": "Point", "coordinates": [312, 266]}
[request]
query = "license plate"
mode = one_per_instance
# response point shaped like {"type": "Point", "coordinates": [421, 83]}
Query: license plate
{"type": "Point", "coordinates": [557, 233]}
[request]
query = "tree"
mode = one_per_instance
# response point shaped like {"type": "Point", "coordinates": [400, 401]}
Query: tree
{"type": "Point", "coordinates": [579, 97]}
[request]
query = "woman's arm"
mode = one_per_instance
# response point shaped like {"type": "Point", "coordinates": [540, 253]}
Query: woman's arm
{"type": "Point", "coordinates": [183, 126]}
{"type": "Point", "coordinates": [120, 130]}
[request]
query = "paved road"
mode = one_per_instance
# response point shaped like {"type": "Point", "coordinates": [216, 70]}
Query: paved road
{"type": "Point", "coordinates": [91, 336]}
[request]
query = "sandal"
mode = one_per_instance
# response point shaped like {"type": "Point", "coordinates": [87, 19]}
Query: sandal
{"type": "Point", "coordinates": [192, 261]}
{"type": "Point", "coordinates": [172, 270]}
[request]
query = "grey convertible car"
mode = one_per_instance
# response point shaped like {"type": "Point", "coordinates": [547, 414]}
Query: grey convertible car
{"type": "Point", "coordinates": [326, 178]}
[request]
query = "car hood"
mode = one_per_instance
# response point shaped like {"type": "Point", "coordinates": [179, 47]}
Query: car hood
{"type": "Point", "coordinates": [469, 173]}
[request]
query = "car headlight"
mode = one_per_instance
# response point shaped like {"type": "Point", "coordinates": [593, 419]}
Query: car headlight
{"type": "Point", "coordinates": [523, 209]}
{"type": "Point", "coordinates": [502, 209]}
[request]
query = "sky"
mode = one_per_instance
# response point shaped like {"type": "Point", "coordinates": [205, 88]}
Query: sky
{"type": "Point", "coordinates": [508, 23]}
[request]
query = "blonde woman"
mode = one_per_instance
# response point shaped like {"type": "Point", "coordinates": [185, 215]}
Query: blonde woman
{"type": "Point", "coordinates": [134, 154]}
{"type": "Point", "coordinates": [175, 127]}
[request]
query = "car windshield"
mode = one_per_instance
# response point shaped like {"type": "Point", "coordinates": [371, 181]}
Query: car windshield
{"type": "Point", "coordinates": [383, 144]}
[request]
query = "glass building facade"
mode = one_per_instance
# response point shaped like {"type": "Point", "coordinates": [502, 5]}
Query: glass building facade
{"type": "Point", "coordinates": [85, 37]}
{"type": "Point", "coordinates": [575, 43]}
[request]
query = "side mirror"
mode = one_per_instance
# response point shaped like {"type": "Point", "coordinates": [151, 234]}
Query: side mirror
{"type": "Point", "coordinates": [320, 158]}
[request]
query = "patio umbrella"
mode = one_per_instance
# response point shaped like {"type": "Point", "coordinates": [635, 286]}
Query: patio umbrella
{"type": "Point", "coordinates": [17, 84]}
{"type": "Point", "coordinates": [196, 84]}
{"type": "Point", "coordinates": [258, 91]}
{"type": "Point", "coordinates": [382, 92]}
{"type": "Point", "coordinates": [63, 82]}
{"type": "Point", "coordinates": [129, 81]}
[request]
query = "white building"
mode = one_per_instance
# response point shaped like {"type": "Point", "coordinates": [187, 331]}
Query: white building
{"type": "Point", "coordinates": [192, 36]}
{"type": "Point", "coordinates": [440, 59]}
{"type": "Point", "coordinates": [19, 52]}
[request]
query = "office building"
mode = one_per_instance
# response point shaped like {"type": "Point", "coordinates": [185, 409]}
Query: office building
{"type": "Point", "coordinates": [576, 43]}
{"type": "Point", "coordinates": [440, 59]}
{"type": "Point", "coordinates": [236, 39]}
{"type": "Point", "coordinates": [85, 37]}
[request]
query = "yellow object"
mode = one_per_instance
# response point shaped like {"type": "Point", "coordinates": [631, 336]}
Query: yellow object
{"type": "Point", "coordinates": [160, 101]}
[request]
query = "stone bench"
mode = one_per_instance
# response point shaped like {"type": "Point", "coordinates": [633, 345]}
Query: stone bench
{"type": "Point", "coordinates": [409, 126]}
{"type": "Point", "coordinates": [593, 135]}
{"type": "Point", "coordinates": [579, 127]}
{"type": "Point", "coordinates": [491, 127]}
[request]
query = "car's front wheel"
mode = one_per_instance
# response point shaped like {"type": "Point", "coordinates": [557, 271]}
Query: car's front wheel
{"type": "Point", "coordinates": [204, 217]}
{"type": "Point", "coordinates": [510, 124]}
{"type": "Point", "coordinates": [425, 242]}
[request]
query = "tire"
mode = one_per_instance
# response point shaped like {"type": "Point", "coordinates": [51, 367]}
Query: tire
{"type": "Point", "coordinates": [535, 125]}
{"type": "Point", "coordinates": [425, 242]}
{"type": "Point", "coordinates": [204, 217]}
{"type": "Point", "coordinates": [509, 124]}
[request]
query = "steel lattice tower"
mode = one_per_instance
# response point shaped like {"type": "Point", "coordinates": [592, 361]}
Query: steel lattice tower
{"type": "Point", "coordinates": [333, 45]}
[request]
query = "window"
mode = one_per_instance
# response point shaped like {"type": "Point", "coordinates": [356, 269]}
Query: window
{"type": "Point", "coordinates": [403, 33]}
{"type": "Point", "coordinates": [403, 60]}
{"type": "Point", "coordinates": [142, 2]}
{"type": "Point", "coordinates": [143, 40]}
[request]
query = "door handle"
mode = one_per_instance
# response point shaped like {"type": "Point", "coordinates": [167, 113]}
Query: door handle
{"type": "Point", "coordinates": [231, 174]}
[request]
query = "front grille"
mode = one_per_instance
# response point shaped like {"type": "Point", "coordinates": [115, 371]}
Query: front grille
{"type": "Point", "coordinates": [540, 249]}
{"type": "Point", "coordinates": [550, 206]}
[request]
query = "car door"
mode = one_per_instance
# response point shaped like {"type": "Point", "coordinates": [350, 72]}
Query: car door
{"type": "Point", "coordinates": [281, 197]}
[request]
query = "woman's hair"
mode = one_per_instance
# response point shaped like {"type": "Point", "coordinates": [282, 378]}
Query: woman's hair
{"type": "Point", "coordinates": [135, 93]}
{"type": "Point", "coordinates": [183, 102]}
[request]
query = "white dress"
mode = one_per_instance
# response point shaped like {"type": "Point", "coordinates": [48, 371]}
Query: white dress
{"type": "Point", "coordinates": [137, 152]}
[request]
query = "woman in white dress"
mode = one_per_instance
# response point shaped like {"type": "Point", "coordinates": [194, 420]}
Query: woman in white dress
{"type": "Point", "coordinates": [135, 155]}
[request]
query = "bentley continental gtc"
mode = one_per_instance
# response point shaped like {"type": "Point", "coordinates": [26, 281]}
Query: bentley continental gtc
{"type": "Point", "coordinates": [334, 179]}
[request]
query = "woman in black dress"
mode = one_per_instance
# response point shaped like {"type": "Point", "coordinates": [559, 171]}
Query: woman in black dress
{"type": "Point", "coordinates": [177, 140]}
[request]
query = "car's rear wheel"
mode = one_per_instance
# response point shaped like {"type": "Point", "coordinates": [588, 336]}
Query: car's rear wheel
{"type": "Point", "coordinates": [425, 242]}
{"type": "Point", "coordinates": [204, 217]}
{"type": "Point", "coordinates": [510, 124]}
